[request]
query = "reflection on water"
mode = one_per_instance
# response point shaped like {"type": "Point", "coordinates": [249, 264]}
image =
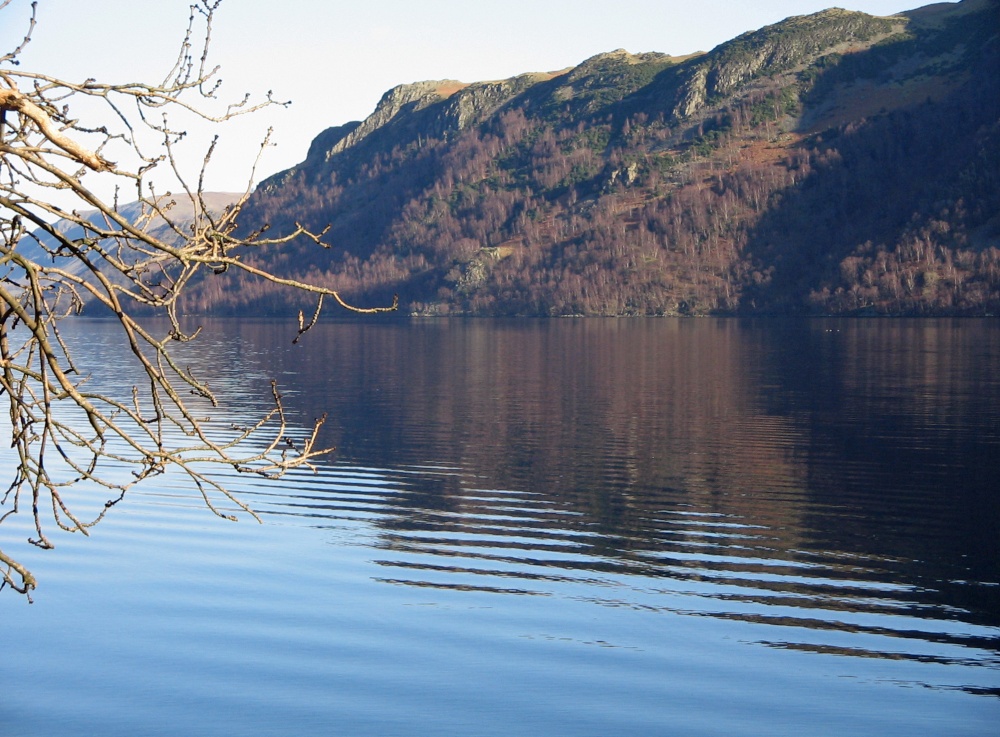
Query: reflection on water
{"type": "Point", "coordinates": [821, 488]}
{"type": "Point", "coordinates": [831, 476]}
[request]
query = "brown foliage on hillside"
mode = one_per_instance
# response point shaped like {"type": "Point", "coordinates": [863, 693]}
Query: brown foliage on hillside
{"type": "Point", "coordinates": [586, 194]}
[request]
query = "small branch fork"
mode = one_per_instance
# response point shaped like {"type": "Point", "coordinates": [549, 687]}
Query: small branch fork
{"type": "Point", "coordinates": [122, 262]}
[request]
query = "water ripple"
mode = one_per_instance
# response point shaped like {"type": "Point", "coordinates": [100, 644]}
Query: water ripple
{"type": "Point", "coordinates": [681, 560]}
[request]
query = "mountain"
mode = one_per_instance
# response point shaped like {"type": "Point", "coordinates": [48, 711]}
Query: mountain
{"type": "Point", "coordinates": [41, 245]}
{"type": "Point", "coordinates": [835, 163]}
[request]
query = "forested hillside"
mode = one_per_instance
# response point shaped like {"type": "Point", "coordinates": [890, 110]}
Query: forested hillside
{"type": "Point", "coordinates": [836, 163]}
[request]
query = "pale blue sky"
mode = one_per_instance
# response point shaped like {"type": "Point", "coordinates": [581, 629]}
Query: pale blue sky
{"type": "Point", "coordinates": [335, 59]}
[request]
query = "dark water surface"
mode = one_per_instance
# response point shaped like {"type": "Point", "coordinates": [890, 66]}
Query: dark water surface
{"type": "Point", "coordinates": [563, 527]}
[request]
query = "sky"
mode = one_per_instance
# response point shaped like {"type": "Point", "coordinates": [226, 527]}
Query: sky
{"type": "Point", "coordinates": [334, 60]}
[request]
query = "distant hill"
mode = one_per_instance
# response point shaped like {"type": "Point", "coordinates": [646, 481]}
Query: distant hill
{"type": "Point", "coordinates": [835, 163]}
{"type": "Point", "coordinates": [182, 211]}
{"type": "Point", "coordinates": [40, 245]}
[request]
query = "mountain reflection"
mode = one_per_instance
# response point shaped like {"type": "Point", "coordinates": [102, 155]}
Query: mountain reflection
{"type": "Point", "coordinates": [824, 476]}
{"type": "Point", "coordinates": [828, 484]}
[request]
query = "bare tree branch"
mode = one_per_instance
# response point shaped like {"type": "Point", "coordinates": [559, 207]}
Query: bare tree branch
{"type": "Point", "coordinates": [12, 99]}
{"type": "Point", "coordinates": [107, 257]}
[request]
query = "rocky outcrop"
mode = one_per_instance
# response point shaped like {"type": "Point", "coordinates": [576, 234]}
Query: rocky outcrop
{"type": "Point", "coordinates": [450, 105]}
{"type": "Point", "coordinates": [774, 49]}
{"type": "Point", "coordinates": [328, 139]}
{"type": "Point", "coordinates": [476, 102]}
{"type": "Point", "coordinates": [404, 98]}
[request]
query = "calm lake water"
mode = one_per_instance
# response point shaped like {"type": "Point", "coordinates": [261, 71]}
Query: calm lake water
{"type": "Point", "coordinates": [562, 527]}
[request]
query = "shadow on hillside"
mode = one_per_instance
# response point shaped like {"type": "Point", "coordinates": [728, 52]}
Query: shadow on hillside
{"type": "Point", "coordinates": [870, 181]}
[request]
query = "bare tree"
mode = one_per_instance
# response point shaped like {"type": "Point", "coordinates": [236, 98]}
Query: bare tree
{"type": "Point", "coordinates": [123, 261]}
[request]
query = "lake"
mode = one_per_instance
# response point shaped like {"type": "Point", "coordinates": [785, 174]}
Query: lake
{"type": "Point", "coordinates": [549, 527]}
